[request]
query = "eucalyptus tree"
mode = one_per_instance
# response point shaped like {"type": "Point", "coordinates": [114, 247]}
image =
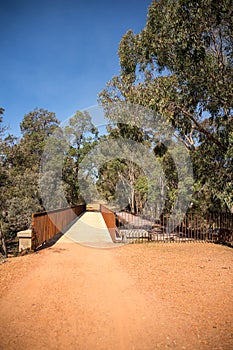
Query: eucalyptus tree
{"type": "Point", "coordinates": [181, 66]}
{"type": "Point", "coordinates": [82, 136]}
{"type": "Point", "coordinates": [22, 159]}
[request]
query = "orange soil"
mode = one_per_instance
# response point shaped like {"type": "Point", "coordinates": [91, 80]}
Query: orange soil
{"type": "Point", "coordinates": [155, 296]}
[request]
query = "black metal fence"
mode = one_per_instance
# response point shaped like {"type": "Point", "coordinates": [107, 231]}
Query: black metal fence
{"type": "Point", "coordinates": [213, 227]}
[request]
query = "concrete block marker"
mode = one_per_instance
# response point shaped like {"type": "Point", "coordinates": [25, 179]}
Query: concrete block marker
{"type": "Point", "coordinates": [25, 240]}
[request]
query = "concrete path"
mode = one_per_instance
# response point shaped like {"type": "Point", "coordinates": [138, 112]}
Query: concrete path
{"type": "Point", "coordinates": [91, 230]}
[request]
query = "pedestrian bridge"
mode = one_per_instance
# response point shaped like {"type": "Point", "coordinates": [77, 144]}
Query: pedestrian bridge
{"type": "Point", "coordinates": [97, 226]}
{"type": "Point", "coordinates": [90, 225]}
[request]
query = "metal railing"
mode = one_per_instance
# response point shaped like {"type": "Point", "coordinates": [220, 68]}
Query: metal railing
{"type": "Point", "coordinates": [212, 227]}
{"type": "Point", "coordinates": [110, 221]}
{"type": "Point", "coordinates": [46, 225]}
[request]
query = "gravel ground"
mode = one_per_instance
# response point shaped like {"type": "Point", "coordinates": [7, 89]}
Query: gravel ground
{"type": "Point", "coordinates": [140, 296]}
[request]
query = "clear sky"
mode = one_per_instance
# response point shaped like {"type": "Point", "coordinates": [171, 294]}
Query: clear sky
{"type": "Point", "coordinates": [59, 54]}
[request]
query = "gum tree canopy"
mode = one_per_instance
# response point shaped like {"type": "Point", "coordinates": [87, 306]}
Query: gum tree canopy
{"type": "Point", "coordinates": [181, 66]}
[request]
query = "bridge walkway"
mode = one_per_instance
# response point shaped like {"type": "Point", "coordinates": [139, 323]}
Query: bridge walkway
{"type": "Point", "coordinates": [90, 230]}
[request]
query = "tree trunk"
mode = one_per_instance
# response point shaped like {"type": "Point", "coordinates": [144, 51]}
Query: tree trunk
{"type": "Point", "coordinates": [132, 201]}
{"type": "Point", "coordinates": [132, 180]}
{"type": "Point", "coordinates": [2, 240]}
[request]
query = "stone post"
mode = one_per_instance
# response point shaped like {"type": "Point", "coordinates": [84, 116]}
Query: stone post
{"type": "Point", "coordinates": [25, 240]}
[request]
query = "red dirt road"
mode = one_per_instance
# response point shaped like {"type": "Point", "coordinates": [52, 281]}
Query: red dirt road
{"type": "Point", "coordinates": [156, 296]}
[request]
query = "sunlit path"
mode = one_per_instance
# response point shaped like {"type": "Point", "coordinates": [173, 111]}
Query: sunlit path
{"type": "Point", "coordinates": [90, 229]}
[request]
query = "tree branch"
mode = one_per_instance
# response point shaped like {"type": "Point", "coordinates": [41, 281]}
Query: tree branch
{"type": "Point", "coordinates": [201, 129]}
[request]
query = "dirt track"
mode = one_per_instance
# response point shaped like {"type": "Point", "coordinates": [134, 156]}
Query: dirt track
{"type": "Point", "coordinates": [163, 296]}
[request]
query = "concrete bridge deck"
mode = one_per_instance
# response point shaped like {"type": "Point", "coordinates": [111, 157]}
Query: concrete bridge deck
{"type": "Point", "coordinates": [90, 230]}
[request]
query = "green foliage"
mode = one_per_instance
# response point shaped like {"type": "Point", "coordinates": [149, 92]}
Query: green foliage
{"type": "Point", "coordinates": [181, 66]}
{"type": "Point", "coordinates": [20, 163]}
{"type": "Point", "coordinates": [43, 144]}
{"type": "Point", "coordinates": [36, 127]}
{"type": "Point", "coordinates": [82, 137]}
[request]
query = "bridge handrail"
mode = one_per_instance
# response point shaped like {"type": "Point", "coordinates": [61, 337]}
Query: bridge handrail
{"type": "Point", "coordinates": [110, 220]}
{"type": "Point", "coordinates": [45, 225]}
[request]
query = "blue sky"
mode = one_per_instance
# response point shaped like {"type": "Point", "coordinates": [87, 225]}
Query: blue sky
{"type": "Point", "coordinates": [59, 54]}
